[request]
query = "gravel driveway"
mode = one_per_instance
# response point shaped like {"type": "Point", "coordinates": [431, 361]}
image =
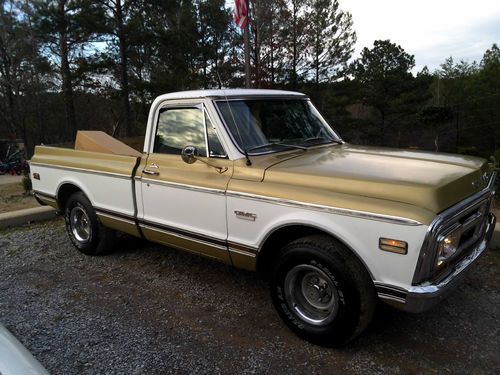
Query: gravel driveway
{"type": "Point", "coordinates": [147, 309]}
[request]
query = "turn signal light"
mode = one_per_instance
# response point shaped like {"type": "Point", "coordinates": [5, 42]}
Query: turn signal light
{"type": "Point", "coordinates": [394, 246]}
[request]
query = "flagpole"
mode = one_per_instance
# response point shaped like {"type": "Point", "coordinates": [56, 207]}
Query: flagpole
{"type": "Point", "coordinates": [246, 41]}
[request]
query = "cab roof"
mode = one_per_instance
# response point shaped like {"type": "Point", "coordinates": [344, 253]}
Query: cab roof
{"type": "Point", "coordinates": [227, 93]}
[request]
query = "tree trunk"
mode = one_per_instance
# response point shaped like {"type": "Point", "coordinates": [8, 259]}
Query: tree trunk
{"type": "Point", "coordinates": [257, 20]}
{"type": "Point", "coordinates": [10, 100]}
{"type": "Point", "coordinates": [272, 64]}
{"type": "Point", "coordinates": [66, 71]}
{"type": "Point", "coordinates": [294, 49]}
{"type": "Point", "coordinates": [316, 62]}
{"type": "Point", "coordinates": [5, 71]}
{"type": "Point", "coordinates": [35, 78]}
{"type": "Point", "coordinates": [382, 128]}
{"type": "Point", "coordinates": [123, 67]}
{"type": "Point", "coordinates": [317, 75]}
{"type": "Point", "coordinates": [272, 48]}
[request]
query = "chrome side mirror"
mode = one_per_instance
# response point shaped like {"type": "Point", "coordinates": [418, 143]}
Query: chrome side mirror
{"type": "Point", "coordinates": [189, 154]}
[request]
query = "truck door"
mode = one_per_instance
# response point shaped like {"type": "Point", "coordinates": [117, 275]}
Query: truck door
{"type": "Point", "coordinates": [184, 205]}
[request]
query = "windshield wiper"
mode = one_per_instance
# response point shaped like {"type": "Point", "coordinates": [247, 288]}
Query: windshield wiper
{"type": "Point", "coordinates": [246, 151]}
{"type": "Point", "coordinates": [275, 144]}
{"type": "Point", "coordinates": [322, 139]}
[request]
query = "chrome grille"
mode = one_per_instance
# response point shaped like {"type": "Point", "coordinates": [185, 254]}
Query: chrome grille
{"type": "Point", "coordinates": [472, 215]}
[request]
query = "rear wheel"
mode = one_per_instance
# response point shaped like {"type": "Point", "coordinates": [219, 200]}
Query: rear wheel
{"type": "Point", "coordinates": [322, 291]}
{"type": "Point", "coordinates": [85, 231]}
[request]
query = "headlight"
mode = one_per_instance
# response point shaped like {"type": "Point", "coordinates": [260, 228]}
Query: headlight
{"type": "Point", "coordinates": [448, 245]}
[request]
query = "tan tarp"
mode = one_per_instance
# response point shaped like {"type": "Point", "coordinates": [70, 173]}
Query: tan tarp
{"type": "Point", "coordinates": [97, 141]}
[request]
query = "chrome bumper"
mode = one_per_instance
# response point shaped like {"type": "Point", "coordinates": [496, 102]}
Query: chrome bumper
{"type": "Point", "coordinates": [423, 297]}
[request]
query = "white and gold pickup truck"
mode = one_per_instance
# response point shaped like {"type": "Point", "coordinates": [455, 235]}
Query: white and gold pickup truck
{"type": "Point", "coordinates": [258, 180]}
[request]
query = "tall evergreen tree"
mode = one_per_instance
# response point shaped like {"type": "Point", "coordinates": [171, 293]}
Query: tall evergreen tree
{"type": "Point", "coordinates": [216, 42]}
{"type": "Point", "coordinates": [21, 67]}
{"type": "Point", "coordinates": [384, 73]}
{"type": "Point", "coordinates": [117, 14]}
{"type": "Point", "coordinates": [67, 27]}
{"type": "Point", "coordinates": [330, 39]}
{"type": "Point", "coordinates": [173, 27]}
{"type": "Point", "coordinates": [484, 96]}
{"type": "Point", "coordinates": [297, 41]}
{"type": "Point", "coordinates": [269, 36]}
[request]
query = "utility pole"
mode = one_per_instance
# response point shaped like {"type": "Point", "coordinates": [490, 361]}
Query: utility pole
{"type": "Point", "coordinates": [246, 40]}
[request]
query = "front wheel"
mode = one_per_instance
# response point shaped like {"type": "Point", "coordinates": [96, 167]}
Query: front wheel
{"type": "Point", "coordinates": [322, 292]}
{"type": "Point", "coordinates": [85, 231]}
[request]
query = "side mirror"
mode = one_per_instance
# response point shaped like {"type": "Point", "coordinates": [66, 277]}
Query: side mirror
{"type": "Point", "coordinates": [189, 154]}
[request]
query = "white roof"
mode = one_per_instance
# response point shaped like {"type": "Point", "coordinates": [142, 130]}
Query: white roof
{"type": "Point", "coordinates": [226, 93]}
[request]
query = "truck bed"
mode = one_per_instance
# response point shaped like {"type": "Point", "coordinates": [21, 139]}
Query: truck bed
{"type": "Point", "coordinates": [98, 141]}
{"type": "Point", "coordinates": [106, 179]}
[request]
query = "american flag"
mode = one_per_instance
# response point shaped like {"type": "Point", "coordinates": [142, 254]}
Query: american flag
{"type": "Point", "coordinates": [240, 13]}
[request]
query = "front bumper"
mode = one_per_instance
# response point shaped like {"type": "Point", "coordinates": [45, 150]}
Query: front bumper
{"type": "Point", "coordinates": [423, 297]}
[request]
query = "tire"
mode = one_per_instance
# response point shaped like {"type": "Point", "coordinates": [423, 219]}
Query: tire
{"type": "Point", "coordinates": [322, 291]}
{"type": "Point", "coordinates": [84, 229]}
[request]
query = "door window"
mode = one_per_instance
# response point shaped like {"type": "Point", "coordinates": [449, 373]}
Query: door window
{"type": "Point", "coordinates": [178, 128]}
{"type": "Point", "coordinates": [181, 127]}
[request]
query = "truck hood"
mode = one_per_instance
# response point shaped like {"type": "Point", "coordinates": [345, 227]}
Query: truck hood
{"type": "Point", "coordinates": [427, 180]}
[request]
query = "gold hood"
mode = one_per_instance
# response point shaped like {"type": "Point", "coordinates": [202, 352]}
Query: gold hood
{"type": "Point", "coordinates": [426, 180]}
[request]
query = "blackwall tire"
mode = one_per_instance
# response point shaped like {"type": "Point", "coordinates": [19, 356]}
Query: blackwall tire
{"type": "Point", "coordinates": [85, 231]}
{"type": "Point", "coordinates": [322, 291]}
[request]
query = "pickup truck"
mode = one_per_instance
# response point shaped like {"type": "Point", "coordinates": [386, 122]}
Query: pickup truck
{"type": "Point", "coordinates": [258, 180]}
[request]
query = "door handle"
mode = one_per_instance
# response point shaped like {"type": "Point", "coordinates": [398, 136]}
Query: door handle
{"type": "Point", "coordinates": [153, 173]}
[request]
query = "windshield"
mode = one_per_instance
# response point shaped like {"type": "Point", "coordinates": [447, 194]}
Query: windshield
{"type": "Point", "coordinates": [264, 125]}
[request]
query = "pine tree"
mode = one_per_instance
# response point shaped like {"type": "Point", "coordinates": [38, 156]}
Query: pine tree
{"type": "Point", "coordinates": [117, 14]}
{"type": "Point", "coordinates": [384, 73]}
{"type": "Point", "coordinates": [67, 27]}
{"type": "Point", "coordinates": [330, 39]}
{"type": "Point", "coordinates": [216, 42]}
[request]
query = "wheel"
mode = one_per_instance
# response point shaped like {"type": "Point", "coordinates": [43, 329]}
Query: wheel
{"type": "Point", "coordinates": [322, 291]}
{"type": "Point", "coordinates": [85, 231]}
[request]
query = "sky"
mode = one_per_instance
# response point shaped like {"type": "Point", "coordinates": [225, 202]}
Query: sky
{"type": "Point", "coordinates": [431, 30]}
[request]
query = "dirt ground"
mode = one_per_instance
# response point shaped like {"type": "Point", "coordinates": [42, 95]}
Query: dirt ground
{"type": "Point", "coordinates": [9, 179]}
{"type": "Point", "coordinates": [148, 309]}
{"type": "Point", "coordinates": [13, 197]}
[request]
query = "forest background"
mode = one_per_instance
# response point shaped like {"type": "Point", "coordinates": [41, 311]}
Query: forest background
{"type": "Point", "coordinates": [67, 65]}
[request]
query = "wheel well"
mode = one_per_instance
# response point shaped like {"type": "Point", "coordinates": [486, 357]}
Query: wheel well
{"type": "Point", "coordinates": [63, 194]}
{"type": "Point", "coordinates": [268, 254]}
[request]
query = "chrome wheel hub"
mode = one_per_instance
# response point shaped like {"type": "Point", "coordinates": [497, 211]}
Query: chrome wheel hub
{"type": "Point", "coordinates": [311, 293]}
{"type": "Point", "coordinates": [80, 224]}
{"type": "Point", "coordinates": [316, 290]}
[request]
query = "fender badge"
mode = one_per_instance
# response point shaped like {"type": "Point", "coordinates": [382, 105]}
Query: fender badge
{"type": "Point", "coordinates": [245, 215]}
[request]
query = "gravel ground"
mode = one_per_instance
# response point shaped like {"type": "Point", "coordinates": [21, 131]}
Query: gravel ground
{"type": "Point", "coordinates": [147, 309]}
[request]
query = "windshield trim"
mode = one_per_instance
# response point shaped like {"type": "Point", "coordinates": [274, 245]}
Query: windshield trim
{"type": "Point", "coordinates": [335, 140]}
